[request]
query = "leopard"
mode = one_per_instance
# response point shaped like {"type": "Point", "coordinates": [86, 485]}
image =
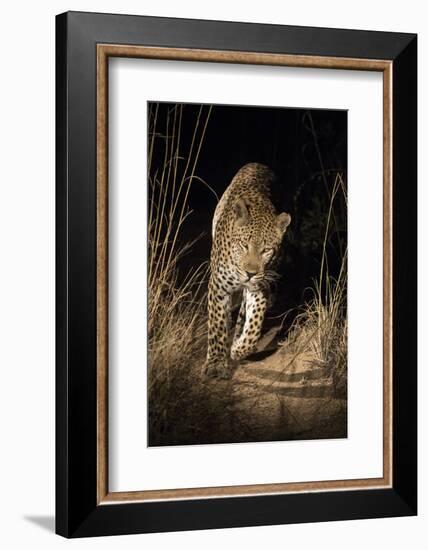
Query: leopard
{"type": "Point", "coordinates": [247, 236]}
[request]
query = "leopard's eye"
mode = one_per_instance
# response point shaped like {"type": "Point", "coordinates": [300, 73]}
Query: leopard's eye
{"type": "Point", "coordinates": [267, 251]}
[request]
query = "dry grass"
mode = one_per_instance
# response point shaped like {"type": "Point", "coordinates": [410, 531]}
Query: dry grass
{"type": "Point", "coordinates": [176, 309]}
{"type": "Point", "coordinates": [321, 327]}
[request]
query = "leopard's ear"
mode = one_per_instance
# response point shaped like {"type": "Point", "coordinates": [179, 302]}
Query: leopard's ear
{"type": "Point", "coordinates": [282, 222]}
{"type": "Point", "coordinates": [241, 212]}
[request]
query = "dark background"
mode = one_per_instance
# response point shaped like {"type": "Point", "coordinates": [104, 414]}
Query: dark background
{"type": "Point", "coordinates": [306, 148]}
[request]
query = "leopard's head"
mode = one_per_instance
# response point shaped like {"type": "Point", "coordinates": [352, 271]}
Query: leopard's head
{"type": "Point", "coordinates": [256, 237]}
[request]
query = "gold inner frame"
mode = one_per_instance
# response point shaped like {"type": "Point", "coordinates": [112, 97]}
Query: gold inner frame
{"type": "Point", "coordinates": [104, 51]}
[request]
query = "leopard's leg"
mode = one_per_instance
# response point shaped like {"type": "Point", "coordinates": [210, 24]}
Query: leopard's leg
{"type": "Point", "coordinates": [256, 304]}
{"type": "Point", "coordinates": [219, 303]}
{"type": "Point", "coordinates": [241, 317]}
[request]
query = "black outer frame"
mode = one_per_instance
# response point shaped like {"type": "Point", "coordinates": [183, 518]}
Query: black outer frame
{"type": "Point", "coordinates": [77, 513]}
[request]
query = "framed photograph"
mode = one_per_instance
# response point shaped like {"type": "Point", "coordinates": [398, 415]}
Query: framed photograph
{"type": "Point", "coordinates": [236, 274]}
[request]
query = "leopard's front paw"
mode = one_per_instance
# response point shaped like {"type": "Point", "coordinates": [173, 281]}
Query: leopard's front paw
{"type": "Point", "coordinates": [240, 350]}
{"type": "Point", "coordinates": [217, 369]}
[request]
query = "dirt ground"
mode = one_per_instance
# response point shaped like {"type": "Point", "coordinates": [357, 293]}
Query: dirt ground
{"type": "Point", "coordinates": [278, 396]}
{"type": "Point", "coordinates": [273, 396]}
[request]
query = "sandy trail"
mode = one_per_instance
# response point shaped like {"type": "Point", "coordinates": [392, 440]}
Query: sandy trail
{"type": "Point", "coordinates": [277, 396]}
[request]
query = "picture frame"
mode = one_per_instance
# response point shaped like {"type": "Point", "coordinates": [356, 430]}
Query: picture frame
{"type": "Point", "coordinates": [84, 44]}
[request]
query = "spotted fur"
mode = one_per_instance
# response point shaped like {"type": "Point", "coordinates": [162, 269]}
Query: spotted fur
{"type": "Point", "coordinates": [247, 234]}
